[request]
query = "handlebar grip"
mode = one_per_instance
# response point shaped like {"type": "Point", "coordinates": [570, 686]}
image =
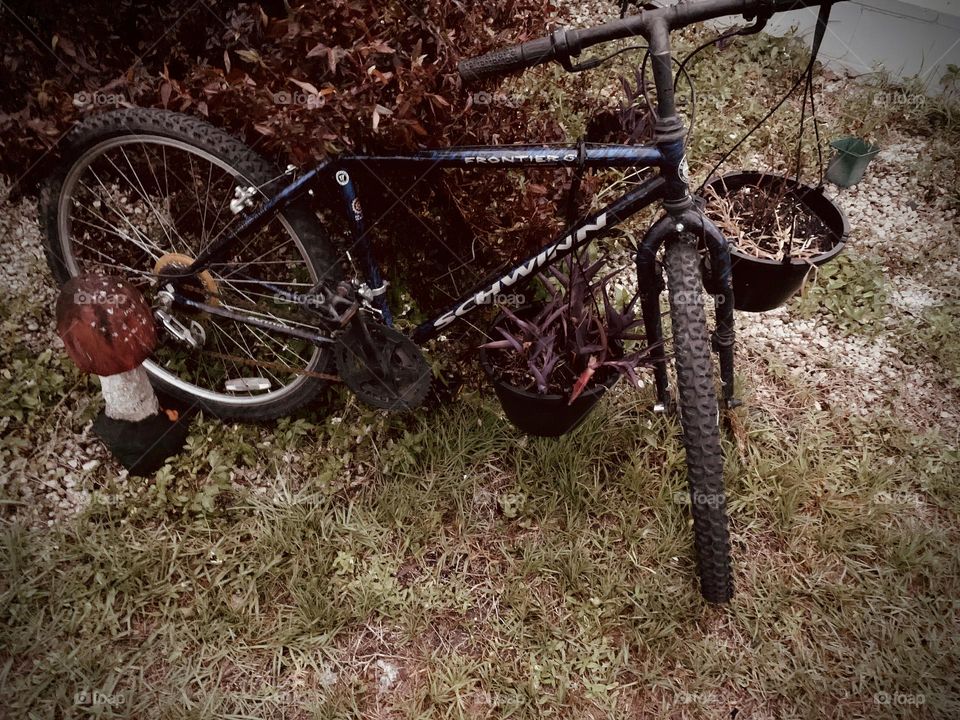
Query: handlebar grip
{"type": "Point", "coordinates": [506, 60]}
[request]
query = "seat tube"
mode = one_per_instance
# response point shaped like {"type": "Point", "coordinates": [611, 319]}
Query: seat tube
{"type": "Point", "coordinates": [351, 200]}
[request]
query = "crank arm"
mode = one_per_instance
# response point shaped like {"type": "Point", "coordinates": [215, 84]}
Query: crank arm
{"type": "Point", "coordinates": [223, 312]}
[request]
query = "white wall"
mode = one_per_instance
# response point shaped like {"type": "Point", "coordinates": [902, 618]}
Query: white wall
{"type": "Point", "coordinates": [916, 38]}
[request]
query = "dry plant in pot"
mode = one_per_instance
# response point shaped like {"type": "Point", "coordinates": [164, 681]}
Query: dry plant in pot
{"type": "Point", "coordinates": [778, 230]}
{"type": "Point", "coordinates": [551, 362]}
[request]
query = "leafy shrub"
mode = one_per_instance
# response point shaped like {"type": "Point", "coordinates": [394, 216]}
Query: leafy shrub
{"type": "Point", "coordinates": [561, 344]}
{"type": "Point", "coordinates": [299, 84]}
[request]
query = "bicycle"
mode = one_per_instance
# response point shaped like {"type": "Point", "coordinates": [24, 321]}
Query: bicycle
{"type": "Point", "coordinates": [273, 295]}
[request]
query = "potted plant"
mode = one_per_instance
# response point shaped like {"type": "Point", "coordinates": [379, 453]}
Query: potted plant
{"type": "Point", "coordinates": [550, 362]}
{"type": "Point", "coordinates": [778, 229]}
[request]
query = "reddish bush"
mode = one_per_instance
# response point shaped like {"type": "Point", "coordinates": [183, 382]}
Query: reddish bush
{"type": "Point", "coordinates": [323, 78]}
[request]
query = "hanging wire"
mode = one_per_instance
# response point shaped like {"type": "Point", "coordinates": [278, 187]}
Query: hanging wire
{"type": "Point", "coordinates": [752, 130]}
{"type": "Point", "coordinates": [803, 119]}
{"type": "Point", "coordinates": [719, 38]}
{"type": "Point", "coordinates": [807, 78]}
{"type": "Point", "coordinates": [816, 129]}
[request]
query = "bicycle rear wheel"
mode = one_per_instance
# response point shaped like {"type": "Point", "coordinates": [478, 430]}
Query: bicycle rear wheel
{"type": "Point", "coordinates": [143, 191]}
{"type": "Point", "coordinates": [699, 419]}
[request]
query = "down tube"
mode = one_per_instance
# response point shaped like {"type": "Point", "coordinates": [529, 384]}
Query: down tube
{"type": "Point", "coordinates": [591, 228]}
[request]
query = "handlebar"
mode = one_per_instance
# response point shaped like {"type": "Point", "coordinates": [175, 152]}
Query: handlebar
{"type": "Point", "coordinates": [561, 44]}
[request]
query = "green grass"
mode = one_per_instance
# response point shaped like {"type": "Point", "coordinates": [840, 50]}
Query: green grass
{"type": "Point", "coordinates": [933, 333]}
{"type": "Point", "coordinates": [501, 575]}
{"type": "Point", "coordinates": [851, 291]}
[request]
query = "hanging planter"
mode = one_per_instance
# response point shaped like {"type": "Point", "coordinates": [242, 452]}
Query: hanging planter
{"type": "Point", "coordinates": [850, 159]}
{"type": "Point", "coordinates": [546, 415]}
{"type": "Point", "coordinates": [550, 362]}
{"type": "Point", "coordinates": [778, 230]}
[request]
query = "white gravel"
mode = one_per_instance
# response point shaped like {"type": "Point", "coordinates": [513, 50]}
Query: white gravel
{"type": "Point", "coordinates": [61, 476]}
{"type": "Point", "coordinates": [894, 226]}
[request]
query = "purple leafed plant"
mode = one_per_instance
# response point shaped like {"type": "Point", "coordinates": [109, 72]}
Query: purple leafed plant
{"type": "Point", "coordinates": [560, 345]}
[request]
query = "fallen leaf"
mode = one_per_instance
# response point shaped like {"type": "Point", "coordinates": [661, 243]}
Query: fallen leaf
{"type": "Point", "coordinates": [305, 86]}
{"type": "Point", "coordinates": [251, 56]}
{"type": "Point", "coordinates": [378, 111]}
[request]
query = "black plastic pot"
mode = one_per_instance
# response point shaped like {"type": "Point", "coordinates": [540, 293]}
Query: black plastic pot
{"type": "Point", "coordinates": [543, 415]}
{"type": "Point", "coordinates": [760, 284]}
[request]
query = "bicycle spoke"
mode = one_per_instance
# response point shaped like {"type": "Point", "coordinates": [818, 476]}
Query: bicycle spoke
{"type": "Point", "coordinates": [155, 252]}
{"type": "Point", "coordinates": [143, 194]}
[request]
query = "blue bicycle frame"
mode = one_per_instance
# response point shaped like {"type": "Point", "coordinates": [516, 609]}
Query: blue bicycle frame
{"type": "Point", "coordinates": [670, 185]}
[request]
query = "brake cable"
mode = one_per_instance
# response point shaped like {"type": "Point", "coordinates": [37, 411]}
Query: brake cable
{"type": "Point", "coordinates": [759, 24]}
{"type": "Point", "coordinates": [564, 59]}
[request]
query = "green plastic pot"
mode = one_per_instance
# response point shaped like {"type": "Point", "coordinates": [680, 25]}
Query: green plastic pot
{"type": "Point", "coordinates": [850, 159]}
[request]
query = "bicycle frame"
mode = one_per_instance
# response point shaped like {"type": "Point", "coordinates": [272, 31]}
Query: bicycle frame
{"type": "Point", "coordinates": [489, 157]}
{"type": "Point", "coordinates": [586, 230]}
{"type": "Point", "coordinates": [667, 156]}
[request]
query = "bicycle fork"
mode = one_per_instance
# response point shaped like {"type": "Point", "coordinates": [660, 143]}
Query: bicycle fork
{"type": "Point", "coordinates": [678, 227]}
{"type": "Point", "coordinates": [683, 221]}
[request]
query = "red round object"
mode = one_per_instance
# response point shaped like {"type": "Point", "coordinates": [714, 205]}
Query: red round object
{"type": "Point", "coordinates": [105, 324]}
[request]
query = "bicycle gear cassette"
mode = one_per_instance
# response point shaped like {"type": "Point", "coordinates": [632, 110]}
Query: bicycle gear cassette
{"type": "Point", "coordinates": [383, 367]}
{"type": "Point", "coordinates": [202, 287]}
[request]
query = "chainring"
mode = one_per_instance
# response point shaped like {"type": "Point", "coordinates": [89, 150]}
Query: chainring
{"type": "Point", "coordinates": [383, 367]}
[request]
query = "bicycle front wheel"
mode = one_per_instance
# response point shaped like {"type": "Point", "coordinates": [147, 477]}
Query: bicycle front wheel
{"type": "Point", "coordinates": [699, 419]}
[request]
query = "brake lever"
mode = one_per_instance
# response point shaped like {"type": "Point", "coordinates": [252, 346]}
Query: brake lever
{"type": "Point", "coordinates": [561, 49]}
{"type": "Point", "coordinates": [581, 66]}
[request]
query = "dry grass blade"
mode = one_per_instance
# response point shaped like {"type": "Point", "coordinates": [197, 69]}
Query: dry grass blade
{"type": "Point", "coordinates": [768, 223]}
